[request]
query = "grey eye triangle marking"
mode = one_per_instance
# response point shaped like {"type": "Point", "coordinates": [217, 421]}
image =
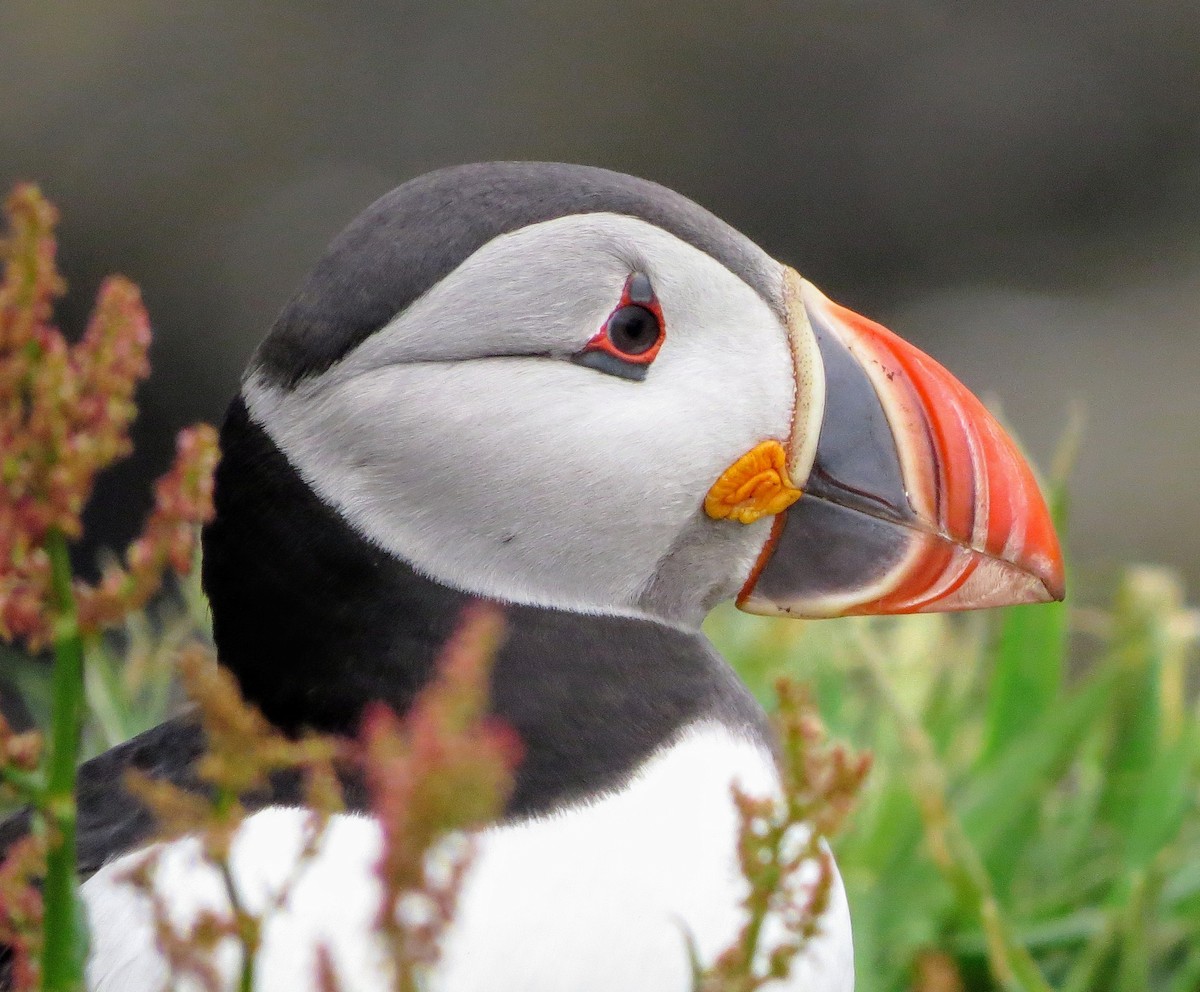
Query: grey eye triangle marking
{"type": "Point", "coordinates": [602, 361]}
{"type": "Point", "coordinates": [640, 290]}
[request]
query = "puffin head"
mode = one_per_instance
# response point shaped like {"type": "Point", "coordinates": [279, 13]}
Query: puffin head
{"type": "Point", "coordinates": [561, 386]}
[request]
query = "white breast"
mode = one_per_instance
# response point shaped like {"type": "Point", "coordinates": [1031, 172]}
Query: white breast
{"type": "Point", "coordinates": [597, 897]}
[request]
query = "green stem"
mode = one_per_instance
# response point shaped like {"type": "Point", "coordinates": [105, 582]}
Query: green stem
{"type": "Point", "coordinates": [759, 904]}
{"type": "Point", "coordinates": [1133, 971]}
{"type": "Point", "coordinates": [65, 948]}
{"type": "Point", "coordinates": [248, 928]}
{"type": "Point", "coordinates": [1088, 964]}
{"type": "Point", "coordinates": [27, 785]}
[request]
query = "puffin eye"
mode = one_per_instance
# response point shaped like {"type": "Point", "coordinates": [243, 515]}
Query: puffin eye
{"type": "Point", "coordinates": [633, 330]}
{"type": "Point", "coordinates": [631, 336]}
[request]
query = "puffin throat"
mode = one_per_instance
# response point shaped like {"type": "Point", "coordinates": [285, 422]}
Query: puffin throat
{"type": "Point", "coordinates": [315, 622]}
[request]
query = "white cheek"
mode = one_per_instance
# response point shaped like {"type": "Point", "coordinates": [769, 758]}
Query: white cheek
{"type": "Point", "coordinates": [531, 479]}
{"type": "Point", "coordinates": [513, 478]}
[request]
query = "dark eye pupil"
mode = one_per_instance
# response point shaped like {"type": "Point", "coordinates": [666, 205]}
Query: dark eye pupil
{"type": "Point", "coordinates": [633, 330]}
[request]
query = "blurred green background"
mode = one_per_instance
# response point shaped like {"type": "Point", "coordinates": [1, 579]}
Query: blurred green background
{"type": "Point", "coordinates": [1025, 827]}
{"type": "Point", "coordinates": [1012, 185]}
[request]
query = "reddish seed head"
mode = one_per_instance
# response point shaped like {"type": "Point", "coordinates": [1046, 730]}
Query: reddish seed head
{"type": "Point", "coordinates": [65, 412]}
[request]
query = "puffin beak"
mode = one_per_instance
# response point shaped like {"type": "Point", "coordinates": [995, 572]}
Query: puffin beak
{"type": "Point", "coordinates": [914, 498]}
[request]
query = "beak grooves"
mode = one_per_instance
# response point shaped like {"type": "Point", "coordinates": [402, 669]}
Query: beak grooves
{"type": "Point", "coordinates": [964, 476]}
{"type": "Point", "coordinates": [915, 498]}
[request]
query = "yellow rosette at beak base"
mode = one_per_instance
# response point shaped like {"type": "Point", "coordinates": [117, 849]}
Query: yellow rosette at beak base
{"type": "Point", "coordinates": [754, 486]}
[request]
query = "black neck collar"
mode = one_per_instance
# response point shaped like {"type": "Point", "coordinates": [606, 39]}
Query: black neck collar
{"type": "Point", "coordinates": [315, 621]}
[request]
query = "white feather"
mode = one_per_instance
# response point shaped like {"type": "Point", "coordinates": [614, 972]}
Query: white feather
{"type": "Point", "coordinates": [595, 898]}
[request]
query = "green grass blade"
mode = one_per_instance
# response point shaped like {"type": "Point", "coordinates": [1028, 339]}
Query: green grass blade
{"type": "Point", "coordinates": [1029, 661]}
{"type": "Point", "coordinates": [1146, 601]}
{"type": "Point", "coordinates": [999, 809]}
{"type": "Point", "coordinates": [1164, 800]}
{"type": "Point", "coordinates": [1027, 674]}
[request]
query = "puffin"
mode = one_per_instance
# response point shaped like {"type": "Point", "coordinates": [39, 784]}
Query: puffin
{"type": "Point", "coordinates": [581, 396]}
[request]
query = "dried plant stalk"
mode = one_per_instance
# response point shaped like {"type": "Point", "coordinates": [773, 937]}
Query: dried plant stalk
{"type": "Point", "coordinates": [781, 849]}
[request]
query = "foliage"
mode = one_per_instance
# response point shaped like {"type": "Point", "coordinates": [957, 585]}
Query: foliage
{"type": "Point", "coordinates": [243, 751]}
{"type": "Point", "coordinates": [65, 412]}
{"type": "Point", "coordinates": [1031, 821]}
{"type": "Point", "coordinates": [782, 849]}
{"type": "Point", "coordinates": [446, 768]}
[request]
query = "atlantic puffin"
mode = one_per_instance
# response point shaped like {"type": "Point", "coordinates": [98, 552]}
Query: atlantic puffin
{"type": "Point", "coordinates": [582, 396]}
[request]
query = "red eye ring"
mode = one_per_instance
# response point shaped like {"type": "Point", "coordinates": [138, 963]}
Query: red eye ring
{"type": "Point", "coordinates": [637, 295]}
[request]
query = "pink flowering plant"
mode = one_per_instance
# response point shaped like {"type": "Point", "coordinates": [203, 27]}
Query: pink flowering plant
{"type": "Point", "coordinates": [782, 850]}
{"type": "Point", "coordinates": [447, 767]}
{"type": "Point", "coordinates": [65, 412]}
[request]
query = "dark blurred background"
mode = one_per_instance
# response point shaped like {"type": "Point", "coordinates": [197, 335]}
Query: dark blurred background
{"type": "Point", "coordinates": [1014, 186]}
